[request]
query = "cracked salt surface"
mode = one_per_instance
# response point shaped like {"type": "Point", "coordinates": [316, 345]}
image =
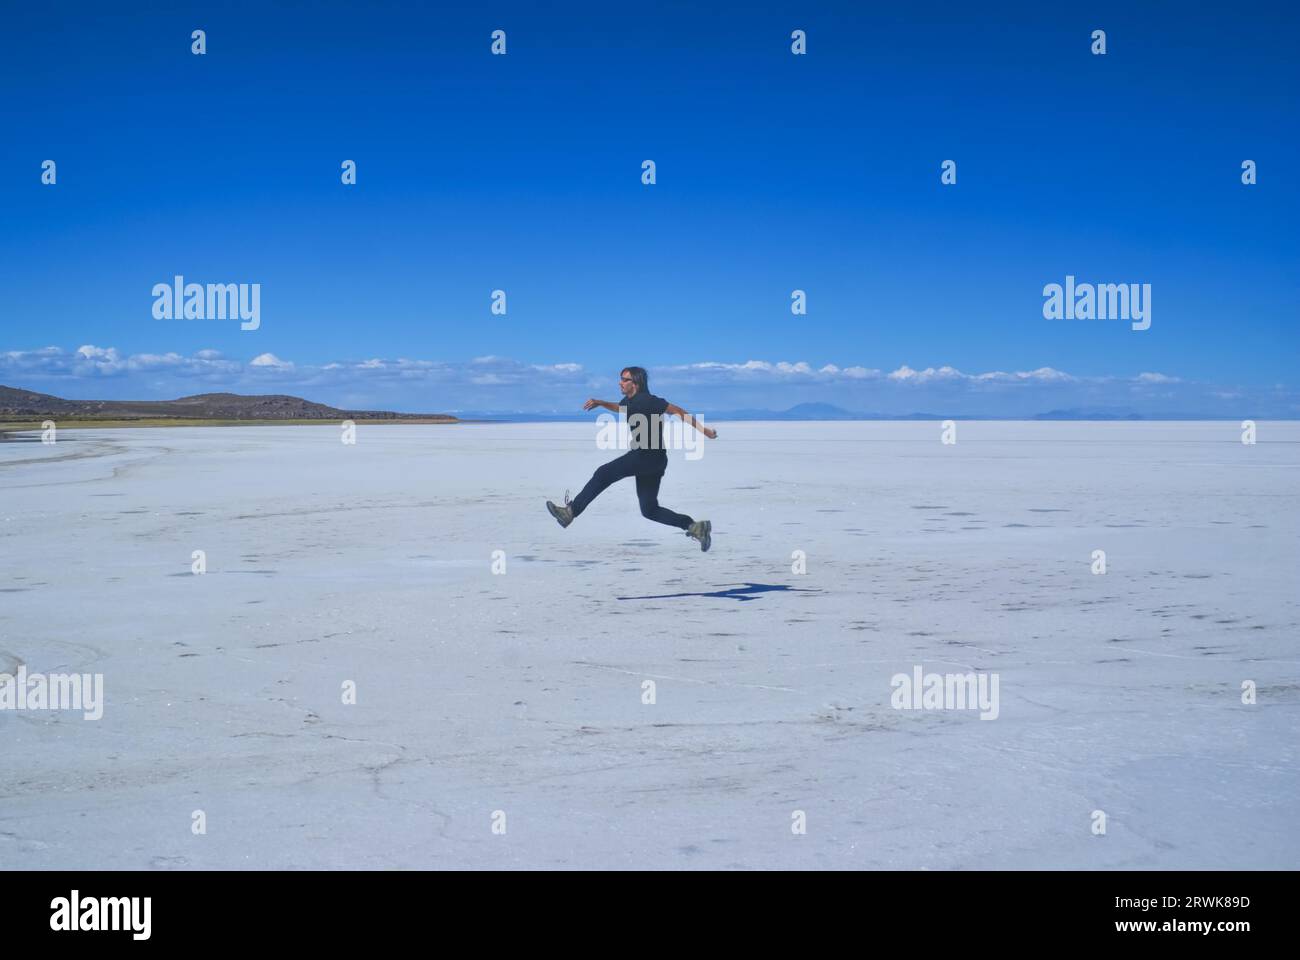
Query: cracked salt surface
{"type": "Point", "coordinates": [523, 692]}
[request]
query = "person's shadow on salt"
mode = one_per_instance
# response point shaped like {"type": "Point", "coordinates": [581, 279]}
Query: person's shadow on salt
{"type": "Point", "coordinates": [749, 591]}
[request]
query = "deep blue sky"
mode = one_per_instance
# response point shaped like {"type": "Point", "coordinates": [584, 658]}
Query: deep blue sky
{"type": "Point", "coordinates": [775, 172]}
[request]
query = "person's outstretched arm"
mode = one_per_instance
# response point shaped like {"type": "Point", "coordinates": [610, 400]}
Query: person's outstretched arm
{"type": "Point", "coordinates": [593, 404]}
{"type": "Point", "coordinates": [709, 432]}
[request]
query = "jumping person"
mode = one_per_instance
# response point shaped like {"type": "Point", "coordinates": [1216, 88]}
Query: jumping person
{"type": "Point", "coordinates": [646, 463]}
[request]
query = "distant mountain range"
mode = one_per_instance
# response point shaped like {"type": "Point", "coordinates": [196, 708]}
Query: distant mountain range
{"type": "Point", "coordinates": [25, 405]}
{"type": "Point", "coordinates": [827, 411]}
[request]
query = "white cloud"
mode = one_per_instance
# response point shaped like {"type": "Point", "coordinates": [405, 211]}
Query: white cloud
{"type": "Point", "coordinates": [90, 352]}
{"type": "Point", "coordinates": [906, 374]}
{"type": "Point", "coordinates": [502, 376]}
{"type": "Point", "coordinates": [712, 371]}
{"type": "Point", "coordinates": [1156, 378]}
{"type": "Point", "coordinates": [272, 361]}
{"type": "Point", "coordinates": [947, 374]}
{"type": "Point", "coordinates": [800, 367]}
{"type": "Point", "coordinates": [90, 360]}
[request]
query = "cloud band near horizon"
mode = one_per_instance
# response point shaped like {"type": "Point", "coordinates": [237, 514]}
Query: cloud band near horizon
{"type": "Point", "coordinates": [493, 383]}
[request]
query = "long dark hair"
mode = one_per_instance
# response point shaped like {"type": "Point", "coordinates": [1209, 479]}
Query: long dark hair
{"type": "Point", "coordinates": [639, 377]}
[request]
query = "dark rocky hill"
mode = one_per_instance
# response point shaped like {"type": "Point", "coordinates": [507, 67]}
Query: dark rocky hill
{"type": "Point", "coordinates": [18, 404]}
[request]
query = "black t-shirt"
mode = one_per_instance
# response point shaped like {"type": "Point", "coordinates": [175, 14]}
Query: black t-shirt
{"type": "Point", "coordinates": [645, 436]}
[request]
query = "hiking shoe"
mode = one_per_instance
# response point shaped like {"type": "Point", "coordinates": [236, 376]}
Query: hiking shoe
{"type": "Point", "coordinates": [563, 515]}
{"type": "Point", "coordinates": [701, 530]}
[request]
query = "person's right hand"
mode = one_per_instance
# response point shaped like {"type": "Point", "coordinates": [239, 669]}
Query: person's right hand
{"type": "Point", "coordinates": [591, 405]}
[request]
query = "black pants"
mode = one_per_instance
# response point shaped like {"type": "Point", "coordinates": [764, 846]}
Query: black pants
{"type": "Point", "coordinates": [648, 472]}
